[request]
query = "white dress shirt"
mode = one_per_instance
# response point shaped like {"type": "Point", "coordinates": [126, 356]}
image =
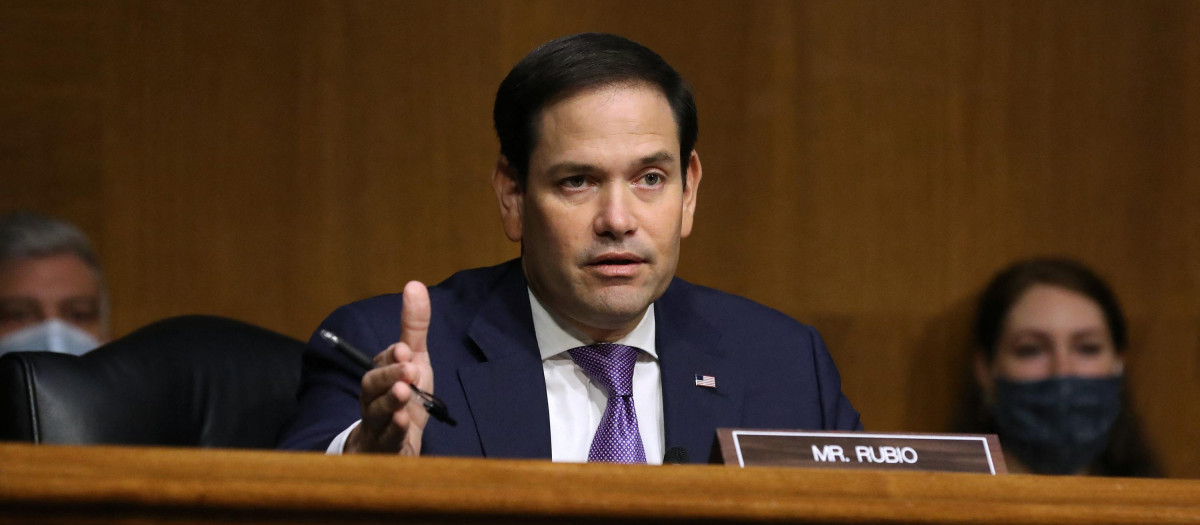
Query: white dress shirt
{"type": "Point", "coordinates": [577, 403]}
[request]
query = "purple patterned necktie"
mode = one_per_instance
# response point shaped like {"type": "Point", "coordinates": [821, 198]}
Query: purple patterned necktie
{"type": "Point", "coordinates": [617, 439]}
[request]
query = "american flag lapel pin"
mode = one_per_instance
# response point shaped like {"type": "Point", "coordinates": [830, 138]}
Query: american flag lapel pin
{"type": "Point", "coordinates": [706, 381]}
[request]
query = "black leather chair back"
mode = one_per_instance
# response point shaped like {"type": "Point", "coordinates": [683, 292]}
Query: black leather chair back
{"type": "Point", "coordinates": [186, 381]}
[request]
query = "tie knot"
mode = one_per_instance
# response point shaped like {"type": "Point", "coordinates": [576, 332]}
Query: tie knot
{"type": "Point", "coordinates": [609, 364]}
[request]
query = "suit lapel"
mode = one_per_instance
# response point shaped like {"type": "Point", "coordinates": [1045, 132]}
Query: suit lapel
{"type": "Point", "coordinates": [688, 346]}
{"type": "Point", "coordinates": [506, 392]}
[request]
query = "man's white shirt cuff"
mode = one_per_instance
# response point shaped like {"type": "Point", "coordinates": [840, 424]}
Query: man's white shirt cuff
{"type": "Point", "coordinates": [339, 443]}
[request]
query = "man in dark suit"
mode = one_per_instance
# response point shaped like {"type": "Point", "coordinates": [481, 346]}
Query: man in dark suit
{"type": "Point", "coordinates": [587, 347]}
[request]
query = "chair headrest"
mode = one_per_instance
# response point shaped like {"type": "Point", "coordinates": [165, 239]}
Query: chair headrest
{"type": "Point", "coordinates": [184, 381]}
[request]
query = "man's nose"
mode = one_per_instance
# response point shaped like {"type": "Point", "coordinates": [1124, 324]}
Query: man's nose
{"type": "Point", "coordinates": [615, 218]}
{"type": "Point", "coordinates": [49, 312]}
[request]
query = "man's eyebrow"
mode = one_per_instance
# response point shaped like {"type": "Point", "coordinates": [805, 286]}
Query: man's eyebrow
{"type": "Point", "coordinates": [572, 167]}
{"type": "Point", "coordinates": [18, 301]}
{"type": "Point", "coordinates": [76, 299]}
{"type": "Point", "coordinates": [662, 156]}
{"type": "Point", "coordinates": [582, 167]}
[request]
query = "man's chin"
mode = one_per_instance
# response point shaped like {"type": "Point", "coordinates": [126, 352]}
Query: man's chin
{"type": "Point", "coordinates": [618, 305]}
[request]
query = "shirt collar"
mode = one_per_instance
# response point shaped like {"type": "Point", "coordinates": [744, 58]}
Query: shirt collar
{"type": "Point", "coordinates": [554, 338]}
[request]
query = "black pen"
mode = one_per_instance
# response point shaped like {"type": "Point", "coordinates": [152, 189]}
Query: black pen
{"type": "Point", "coordinates": [436, 407]}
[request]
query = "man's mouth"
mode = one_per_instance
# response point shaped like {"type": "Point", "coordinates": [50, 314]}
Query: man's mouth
{"type": "Point", "coordinates": [616, 264]}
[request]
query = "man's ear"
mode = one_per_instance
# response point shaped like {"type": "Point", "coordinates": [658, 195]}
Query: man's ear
{"type": "Point", "coordinates": [511, 196]}
{"type": "Point", "coordinates": [689, 193]}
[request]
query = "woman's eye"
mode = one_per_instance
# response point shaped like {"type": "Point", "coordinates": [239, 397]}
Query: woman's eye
{"type": "Point", "coordinates": [1089, 349]}
{"type": "Point", "coordinates": [1025, 351]}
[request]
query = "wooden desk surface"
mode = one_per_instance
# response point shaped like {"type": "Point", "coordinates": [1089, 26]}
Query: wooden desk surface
{"type": "Point", "coordinates": [64, 484]}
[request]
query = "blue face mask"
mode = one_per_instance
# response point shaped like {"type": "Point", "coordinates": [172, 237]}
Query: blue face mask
{"type": "Point", "coordinates": [53, 335]}
{"type": "Point", "coordinates": [1057, 425]}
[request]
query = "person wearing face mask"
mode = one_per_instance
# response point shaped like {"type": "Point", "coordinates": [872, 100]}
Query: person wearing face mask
{"type": "Point", "coordinates": [1050, 339]}
{"type": "Point", "coordinates": [52, 294]}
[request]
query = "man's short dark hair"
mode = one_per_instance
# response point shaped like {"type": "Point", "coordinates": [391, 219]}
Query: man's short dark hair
{"type": "Point", "coordinates": [569, 65]}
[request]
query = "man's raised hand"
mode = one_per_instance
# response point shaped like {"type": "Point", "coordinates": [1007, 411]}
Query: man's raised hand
{"type": "Point", "coordinates": [392, 420]}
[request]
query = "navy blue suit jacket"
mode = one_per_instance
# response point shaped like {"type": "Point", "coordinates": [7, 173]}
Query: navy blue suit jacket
{"type": "Point", "coordinates": [771, 371]}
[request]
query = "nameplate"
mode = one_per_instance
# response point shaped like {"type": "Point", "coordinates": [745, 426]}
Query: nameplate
{"type": "Point", "coordinates": [860, 450]}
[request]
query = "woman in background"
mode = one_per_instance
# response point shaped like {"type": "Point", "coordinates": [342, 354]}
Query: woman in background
{"type": "Point", "coordinates": [1049, 365]}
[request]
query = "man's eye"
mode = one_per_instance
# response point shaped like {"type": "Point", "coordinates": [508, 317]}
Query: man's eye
{"type": "Point", "coordinates": [80, 311]}
{"type": "Point", "coordinates": [16, 316]}
{"type": "Point", "coordinates": [575, 182]}
{"type": "Point", "coordinates": [653, 179]}
{"type": "Point", "coordinates": [83, 317]}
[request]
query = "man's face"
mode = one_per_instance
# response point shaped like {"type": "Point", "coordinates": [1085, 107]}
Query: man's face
{"type": "Point", "coordinates": [603, 207]}
{"type": "Point", "coordinates": [61, 287]}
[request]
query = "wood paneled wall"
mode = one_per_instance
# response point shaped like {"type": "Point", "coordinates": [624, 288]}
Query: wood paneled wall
{"type": "Point", "coordinates": [869, 164]}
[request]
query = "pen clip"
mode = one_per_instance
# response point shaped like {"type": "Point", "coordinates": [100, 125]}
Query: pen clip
{"type": "Point", "coordinates": [436, 407]}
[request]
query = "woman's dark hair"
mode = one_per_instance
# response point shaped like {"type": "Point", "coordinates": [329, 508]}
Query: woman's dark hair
{"type": "Point", "coordinates": [568, 65]}
{"type": "Point", "coordinates": [1128, 453]}
{"type": "Point", "coordinates": [1008, 286]}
